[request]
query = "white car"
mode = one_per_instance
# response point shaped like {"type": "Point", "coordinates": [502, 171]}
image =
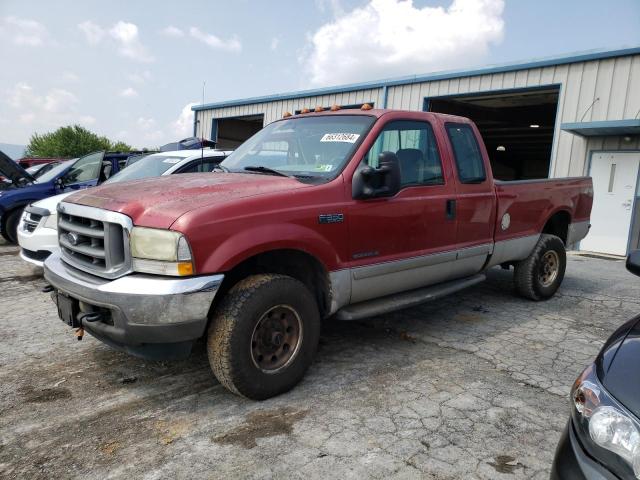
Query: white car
{"type": "Point", "coordinates": [38, 227]}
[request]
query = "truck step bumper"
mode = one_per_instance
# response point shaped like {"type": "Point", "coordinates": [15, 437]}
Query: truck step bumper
{"type": "Point", "coordinates": [139, 313]}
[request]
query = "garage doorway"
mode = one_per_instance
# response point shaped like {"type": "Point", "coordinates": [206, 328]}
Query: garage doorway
{"type": "Point", "coordinates": [517, 127]}
{"type": "Point", "coordinates": [230, 133]}
{"type": "Point", "coordinates": [615, 183]}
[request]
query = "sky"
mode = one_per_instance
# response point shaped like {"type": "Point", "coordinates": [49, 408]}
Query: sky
{"type": "Point", "coordinates": [131, 70]}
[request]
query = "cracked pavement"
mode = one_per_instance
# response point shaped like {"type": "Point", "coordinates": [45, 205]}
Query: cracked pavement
{"type": "Point", "coordinates": [473, 386]}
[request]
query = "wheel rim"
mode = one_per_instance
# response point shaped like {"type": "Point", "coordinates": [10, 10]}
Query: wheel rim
{"type": "Point", "coordinates": [276, 339]}
{"type": "Point", "coordinates": [549, 268]}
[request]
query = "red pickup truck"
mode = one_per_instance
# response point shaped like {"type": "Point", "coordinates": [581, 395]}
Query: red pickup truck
{"type": "Point", "coordinates": [338, 213]}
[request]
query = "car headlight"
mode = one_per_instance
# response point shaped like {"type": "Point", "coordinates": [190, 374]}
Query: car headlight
{"type": "Point", "coordinates": [51, 221]}
{"type": "Point", "coordinates": [603, 421]}
{"type": "Point", "coordinates": [161, 252]}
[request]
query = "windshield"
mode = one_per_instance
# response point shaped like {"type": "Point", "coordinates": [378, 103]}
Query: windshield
{"type": "Point", "coordinates": [54, 172]}
{"type": "Point", "coordinates": [312, 147]}
{"type": "Point", "coordinates": [151, 166]}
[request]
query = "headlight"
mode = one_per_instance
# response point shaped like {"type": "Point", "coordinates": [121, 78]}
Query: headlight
{"type": "Point", "coordinates": [51, 221]}
{"type": "Point", "coordinates": [161, 252]}
{"type": "Point", "coordinates": [604, 421]}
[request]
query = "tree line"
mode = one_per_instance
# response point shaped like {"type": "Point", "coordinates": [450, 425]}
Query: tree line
{"type": "Point", "coordinates": [70, 142]}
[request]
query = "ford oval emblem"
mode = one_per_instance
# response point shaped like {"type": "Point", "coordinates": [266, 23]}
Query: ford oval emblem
{"type": "Point", "coordinates": [73, 238]}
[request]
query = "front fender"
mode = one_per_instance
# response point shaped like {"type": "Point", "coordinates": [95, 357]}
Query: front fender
{"type": "Point", "coordinates": [264, 238]}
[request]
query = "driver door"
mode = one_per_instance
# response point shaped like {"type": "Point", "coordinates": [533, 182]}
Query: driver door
{"type": "Point", "coordinates": [84, 173]}
{"type": "Point", "coordinates": [403, 242]}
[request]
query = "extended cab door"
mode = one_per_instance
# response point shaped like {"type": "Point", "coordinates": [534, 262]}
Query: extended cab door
{"type": "Point", "coordinates": [475, 206]}
{"type": "Point", "coordinates": [405, 241]}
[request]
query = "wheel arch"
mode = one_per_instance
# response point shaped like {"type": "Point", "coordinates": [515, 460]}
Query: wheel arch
{"type": "Point", "coordinates": [296, 263]}
{"type": "Point", "coordinates": [558, 224]}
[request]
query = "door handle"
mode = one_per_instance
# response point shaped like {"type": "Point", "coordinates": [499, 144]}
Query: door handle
{"type": "Point", "coordinates": [451, 209]}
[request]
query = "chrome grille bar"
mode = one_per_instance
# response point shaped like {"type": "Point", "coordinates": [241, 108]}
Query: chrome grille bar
{"type": "Point", "coordinates": [94, 240]}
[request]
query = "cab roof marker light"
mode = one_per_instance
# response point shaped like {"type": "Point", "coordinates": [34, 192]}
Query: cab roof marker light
{"type": "Point", "coordinates": [366, 106]}
{"type": "Point", "coordinates": [305, 110]}
{"type": "Point", "coordinates": [286, 114]}
{"type": "Point", "coordinates": [318, 109]}
{"type": "Point", "coordinates": [335, 108]}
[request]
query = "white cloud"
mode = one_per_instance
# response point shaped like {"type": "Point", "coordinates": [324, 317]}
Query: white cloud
{"type": "Point", "coordinates": [172, 31]}
{"type": "Point", "coordinates": [275, 41]}
{"type": "Point", "coordinates": [392, 37]}
{"type": "Point", "coordinates": [334, 6]}
{"type": "Point", "coordinates": [22, 31]}
{"type": "Point", "coordinates": [230, 45]}
{"type": "Point", "coordinates": [70, 77]}
{"type": "Point", "coordinates": [92, 32]}
{"type": "Point", "coordinates": [140, 78]}
{"type": "Point", "coordinates": [183, 126]}
{"type": "Point", "coordinates": [128, 92]}
{"type": "Point", "coordinates": [45, 110]}
{"type": "Point", "coordinates": [130, 46]}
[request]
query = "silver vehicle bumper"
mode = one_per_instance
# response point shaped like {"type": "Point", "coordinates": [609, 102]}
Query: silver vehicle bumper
{"type": "Point", "coordinates": [137, 309]}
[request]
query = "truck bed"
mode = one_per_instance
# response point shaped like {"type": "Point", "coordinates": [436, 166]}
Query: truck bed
{"type": "Point", "coordinates": [530, 203]}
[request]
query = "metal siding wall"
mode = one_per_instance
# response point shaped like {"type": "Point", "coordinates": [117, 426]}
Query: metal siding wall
{"type": "Point", "coordinates": [614, 81]}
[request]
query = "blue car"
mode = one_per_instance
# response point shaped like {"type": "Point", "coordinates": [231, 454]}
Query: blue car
{"type": "Point", "coordinates": [18, 188]}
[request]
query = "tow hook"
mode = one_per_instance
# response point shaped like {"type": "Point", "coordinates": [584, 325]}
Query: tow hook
{"type": "Point", "coordinates": [86, 317]}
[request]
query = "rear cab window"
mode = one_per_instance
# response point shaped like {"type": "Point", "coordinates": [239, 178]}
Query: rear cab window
{"type": "Point", "coordinates": [466, 152]}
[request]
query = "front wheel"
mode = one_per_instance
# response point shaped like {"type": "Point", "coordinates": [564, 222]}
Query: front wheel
{"type": "Point", "coordinates": [539, 276]}
{"type": "Point", "coordinates": [263, 336]}
{"type": "Point", "coordinates": [10, 231]}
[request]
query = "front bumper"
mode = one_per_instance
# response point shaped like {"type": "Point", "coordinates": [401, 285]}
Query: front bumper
{"type": "Point", "coordinates": [571, 462]}
{"type": "Point", "coordinates": [145, 315]}
{"type": "Point", "coordinates": [38, 244]}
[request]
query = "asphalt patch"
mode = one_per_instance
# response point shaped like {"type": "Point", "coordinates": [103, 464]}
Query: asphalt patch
{"type": "Point", "coordinates": [261, 424]}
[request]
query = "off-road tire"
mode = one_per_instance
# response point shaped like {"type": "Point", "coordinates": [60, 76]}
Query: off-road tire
{"type": "Point", "coordinates": [233, 322]}
{"type": "Point", "coordinates": [527, 274]}
{"type": "Point", "coordinates": [10, 230]}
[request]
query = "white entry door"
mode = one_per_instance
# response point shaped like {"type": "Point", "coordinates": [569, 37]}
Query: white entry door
{"type": "Point", "coordinates": [614, 189]}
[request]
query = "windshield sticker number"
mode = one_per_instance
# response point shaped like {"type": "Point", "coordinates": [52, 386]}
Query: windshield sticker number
{"type": "Point", "coordinates": [340, 137]}
{"type": "Point", "coordinates": [324, 168]}
{"type": "Point", "coordinates": [172, 160]}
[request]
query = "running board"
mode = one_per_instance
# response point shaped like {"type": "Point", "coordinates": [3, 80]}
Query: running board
{"type": "Point", "coordinates": [391, 303]}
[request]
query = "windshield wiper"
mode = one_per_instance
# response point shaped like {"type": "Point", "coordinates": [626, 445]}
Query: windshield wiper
{"type": "Point", "coordinates": [267, 170]}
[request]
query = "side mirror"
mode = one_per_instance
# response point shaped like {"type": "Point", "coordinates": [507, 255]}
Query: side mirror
{"type": "Point", "coordinates": [633, 262]}
{"type": "Point", "coordinates": [384, 181]}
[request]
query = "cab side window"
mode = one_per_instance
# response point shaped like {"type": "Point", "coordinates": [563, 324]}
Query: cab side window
{"type": "Point", "coordinates": [467, 154]}
{"type": "Point", "coordinates": [199, 166]}
{"type": "Point", "coordinates": [414, 144]}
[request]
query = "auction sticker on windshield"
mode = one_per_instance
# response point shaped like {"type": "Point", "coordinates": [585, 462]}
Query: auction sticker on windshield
{"type": "Point", "coordinates": [340, 137]}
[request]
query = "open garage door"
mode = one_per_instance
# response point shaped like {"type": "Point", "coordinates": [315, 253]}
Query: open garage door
{"type": "Point", "coordinates": [517, 127]}
{"type": "Point", "coordinates": [230, 133]}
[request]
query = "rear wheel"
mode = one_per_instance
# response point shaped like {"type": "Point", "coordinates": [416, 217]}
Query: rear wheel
{"type": "Point", "coordinates": [10, 229]}
{"type": "Point", "coordinates": [539, 276]}
{"type": "Point", "coordinates": [263, 336]}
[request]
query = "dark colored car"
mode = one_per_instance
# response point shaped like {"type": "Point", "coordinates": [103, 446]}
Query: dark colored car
{"type": "Point", "coordinates": [602, 438]}
{"type": "Point", "coordinates": [20, 188]}
{"type": "Point", "coordinates": [40, 169]}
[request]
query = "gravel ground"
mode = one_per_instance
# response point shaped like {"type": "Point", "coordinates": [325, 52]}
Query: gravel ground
{"type": "Point", "coordinates": [472, 386]}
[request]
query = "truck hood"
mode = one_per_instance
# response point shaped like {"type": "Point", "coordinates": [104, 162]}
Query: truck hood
{"type": "Point", "coordinates": [159, 202]}
{"type": "Point", "coordinates": [618, 365]}
{"type": "Point", "coordinates": [13, 171]}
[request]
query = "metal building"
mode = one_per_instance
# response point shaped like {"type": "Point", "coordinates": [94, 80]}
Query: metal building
{"type": "Point", "coordinates": [556, 117]}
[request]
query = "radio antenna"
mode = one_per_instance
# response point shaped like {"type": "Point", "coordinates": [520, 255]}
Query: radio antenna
{"type": "Point", "coordinates": [204, 84]}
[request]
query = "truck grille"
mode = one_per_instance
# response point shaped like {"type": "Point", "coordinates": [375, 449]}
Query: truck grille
{"type": "Point", "coordinates": [94, 240]}
{"type": "Point", "coordinates": [30, 221]}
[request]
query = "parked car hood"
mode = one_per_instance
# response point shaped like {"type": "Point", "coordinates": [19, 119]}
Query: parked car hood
{"type": "Point", "coordinates": [618, 365]}
{"type": "Point", "coordinates": [14, 172]}
{"type": "Point", "coordinates": [160, 201]}
{"type": "Point", "coordinates": [51, 203]}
